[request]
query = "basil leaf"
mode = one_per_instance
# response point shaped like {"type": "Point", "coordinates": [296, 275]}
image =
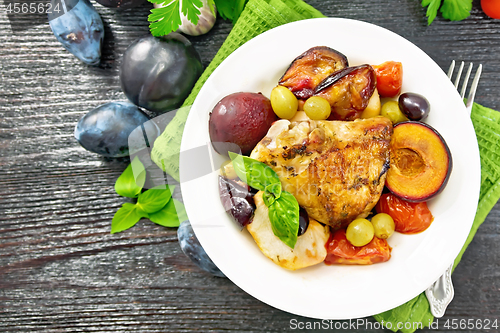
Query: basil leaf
{"type": "Point", "coordinates": [284, 217]}
{"type": "Point", "coordinates": [155, 198]}
{"type": "Point", "coordinates": [274, 189]}
{"type": "Point", "coordinates": [271, 193]}
{"type": "Point", "coordinates": [171, 215]}
{"type": "Point", "coordinates": [126, 217]}
{"type": "Point", "coordinates": [268, 198]}
{"type": "Point", "coordinates": [256, 174]}
{"type": "Point", "coordinates": [131, 181]}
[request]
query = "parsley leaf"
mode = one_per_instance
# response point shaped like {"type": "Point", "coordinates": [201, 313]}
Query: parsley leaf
{"type": "Point", "coordinates": [456, 10]}
{"type": "Point", "coordinates": [191, 10]}
{"type": "Point", "coordinates": [230, 9]}
{"type": "Point", "coordinates": [166, 19]}
{"type": "Point", "coordinates": [432, 9]}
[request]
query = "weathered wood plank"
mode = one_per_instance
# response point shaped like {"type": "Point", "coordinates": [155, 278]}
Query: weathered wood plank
{"type": "Point", "coordinates": [61, 270]}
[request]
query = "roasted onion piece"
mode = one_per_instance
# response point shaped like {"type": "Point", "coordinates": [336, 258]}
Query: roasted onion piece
{"type": "Point", "coordinates": [310, 68]}
{"type": "Point", "coordinates": [348, 91]}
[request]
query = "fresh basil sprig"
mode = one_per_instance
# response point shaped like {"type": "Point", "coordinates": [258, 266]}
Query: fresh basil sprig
{"type": "Point", "coordinates": [283, 207]}
{"type": "Point", "coordinates": [156, 204]}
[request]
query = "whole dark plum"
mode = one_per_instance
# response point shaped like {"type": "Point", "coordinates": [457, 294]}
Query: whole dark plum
{"type": "Point", "coordinates": [80, 30]}
{"type": "Point", "coordinates": [239, 121]}
{"type": "Point", "coordinates": [122, 4]}
{"type": "Point", "coordinates": [106, 129]}
{"type": "Point", "coordinates": [158, 73]}
{"type": "Point", "coordinates": [193, 249]}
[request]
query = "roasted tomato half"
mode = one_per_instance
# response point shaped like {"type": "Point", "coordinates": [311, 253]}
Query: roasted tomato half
{"type": "Point", "coordinates": [341, 251]}
{"type": "Point", "coordinates": [409, 217]}
{"type": "Point", "coordinates": [389, 78]}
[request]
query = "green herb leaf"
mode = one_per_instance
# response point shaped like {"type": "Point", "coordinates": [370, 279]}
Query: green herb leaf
{"type": "Point", "coordinates": [432, 9]}
{"type": "Point", "coordinates": [256, 174]}
{"type": "Point", "coordinates": [456, 10]}
{"type": "Point", "coordinates": [125, 218]}
{"type": "Point", "coordinates": [284, 217]}
{"type": "Point", "coordinates": [166, 19]}
{"type": "Point", "coordinates": [230, 9]}
{"type": "Point", "coordinates": [211, 5]}
{"type": "Point", "coordinates": [191, 10]}
{"type": "Point", "coordinates": [141, 212]}
{"type": "Point", "coordinates": [271, 193]}
{"type": "Point", "coordinates": [155, 198]}
{"type": "Point", "coordinates": [131, 181]}
{"type": "Point", "coordinates": [171, 215]}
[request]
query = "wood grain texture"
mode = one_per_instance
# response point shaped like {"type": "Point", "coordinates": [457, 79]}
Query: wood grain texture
{"type": "Point", "coordinates": [60, 268]}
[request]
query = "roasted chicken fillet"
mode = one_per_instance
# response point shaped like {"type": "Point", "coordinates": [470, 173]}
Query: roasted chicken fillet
{"type": "Point", "coordinates": [335, 169]}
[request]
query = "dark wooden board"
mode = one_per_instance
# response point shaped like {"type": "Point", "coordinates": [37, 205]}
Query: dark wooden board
{"type": "Point", "coordinates": [60, 268]}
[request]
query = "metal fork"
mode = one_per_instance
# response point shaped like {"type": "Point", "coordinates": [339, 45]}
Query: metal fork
{"type": "Point", "coordinates": [475, 81]}
{"type": "Point", "coordinates": [441, 292]}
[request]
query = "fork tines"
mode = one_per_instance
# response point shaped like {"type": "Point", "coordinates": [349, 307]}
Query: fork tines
{"type": "Point", "coordinates": [475, 81]}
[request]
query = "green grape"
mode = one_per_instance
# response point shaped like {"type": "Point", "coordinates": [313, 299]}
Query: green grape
{"type": "Point", "coordinates": [284, 102]}
{"type": "Point", "coordinates": [360, 232]}
{"type": "Point", "coordinates": [317, 108]}
{"type": "Point", "coordinates": [383, 225]}
{"type": "Point", "coordinates": [392, 111]}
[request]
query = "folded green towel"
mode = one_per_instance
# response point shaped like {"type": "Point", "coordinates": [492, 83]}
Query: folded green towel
{"type": "Point", "coordinates": [262, 15]}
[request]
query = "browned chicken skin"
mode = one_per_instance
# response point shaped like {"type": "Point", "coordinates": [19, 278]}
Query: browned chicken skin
{"type": "Point", "coordinates": [335, 169]}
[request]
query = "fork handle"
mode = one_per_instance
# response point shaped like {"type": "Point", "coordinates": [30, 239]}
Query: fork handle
{"type": "Point", "coordinates": [440, 293]}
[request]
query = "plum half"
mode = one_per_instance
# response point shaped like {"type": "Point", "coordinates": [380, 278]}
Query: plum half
{"type": "Point", "coordinates": [310, 68]}
{"type": "Point", "coordinates": [421, 162]}
{"type": "Point", "coordinates": [348, 91]}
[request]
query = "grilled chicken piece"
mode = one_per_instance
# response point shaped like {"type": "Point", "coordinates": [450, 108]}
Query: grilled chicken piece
{"type": "Point", "coordinates": [335, 169]}
{"type": "Point", "coordinates": [310, 247]}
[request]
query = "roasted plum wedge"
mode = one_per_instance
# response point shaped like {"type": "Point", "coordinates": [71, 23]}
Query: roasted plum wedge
{"type": "Point", "coordinates": [236, 200]}
{"type": "Point", "coordinates": [310, 68]}
{"type": "Point", "coordinates": [348, 91]}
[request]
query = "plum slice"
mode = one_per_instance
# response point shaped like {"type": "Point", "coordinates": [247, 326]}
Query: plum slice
{"type": "Point", "coordinates": [310, 68]}
{"type": "Point", "coordinates": [348, 91]}
{"type": "Point", "coordinates": [237, 201]}
{"type": "Point", "coordinates": [421, 162]}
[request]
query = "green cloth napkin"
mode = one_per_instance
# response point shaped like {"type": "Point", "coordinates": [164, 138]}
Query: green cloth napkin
{"type": "Point", "coordinates": [262, 15]}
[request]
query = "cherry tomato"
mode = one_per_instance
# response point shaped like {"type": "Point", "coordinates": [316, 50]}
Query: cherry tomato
{"type": "Point", "coordinates": [389, 78]}
{"type": "Point", "coordinates": [409, 217]}
{"type": "Point", "coordinates": [341, 251]}
{"type": "Point", "coordinates": [491, 8]}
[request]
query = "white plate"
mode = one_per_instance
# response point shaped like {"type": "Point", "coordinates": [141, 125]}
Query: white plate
{"type": "Point", "coordinates": [335, 292]}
